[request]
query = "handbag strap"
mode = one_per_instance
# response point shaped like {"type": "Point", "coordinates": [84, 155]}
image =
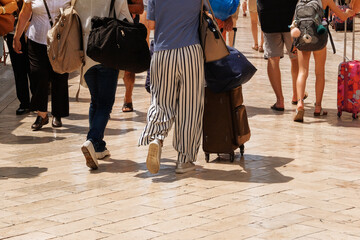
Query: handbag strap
{"type": "Point", "coordinates": [112, 7]}
{"type": "Point", "coordinates": [48, 13]}
{"type": "Point", "coordinates": [202, 11]}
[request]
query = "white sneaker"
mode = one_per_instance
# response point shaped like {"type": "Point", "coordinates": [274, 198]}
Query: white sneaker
{"type": "Point", "coordinates": [89, 152]}
{"type": "Point", "coordinates": [184, 167]}
{"type": "Point", "coordinates": [153, 157]}
{"type": "Point", "coordinates": [103, 154]}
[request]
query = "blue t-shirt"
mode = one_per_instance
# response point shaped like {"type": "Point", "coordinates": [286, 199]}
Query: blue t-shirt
{"type": "Point", "coordinates": [177, 23]}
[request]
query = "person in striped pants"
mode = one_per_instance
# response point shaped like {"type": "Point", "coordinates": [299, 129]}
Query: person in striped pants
{"type": "Point", "coordinates": [177, 83]}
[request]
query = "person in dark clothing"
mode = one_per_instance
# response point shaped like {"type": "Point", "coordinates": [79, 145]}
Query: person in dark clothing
{"type": "Point", "coordinates": [136, 7]}
{"type": "Point", "coordinates": [275, 17]}
{"type": "Point", "coordinates": [21, 68]}
{"type": "Point", "coordinates": [41, 72]}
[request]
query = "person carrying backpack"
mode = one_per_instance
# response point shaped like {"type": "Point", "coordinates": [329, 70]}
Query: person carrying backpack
{"type": "Point", "coordinates": [311, 37]}
{"type": "Point", "coordinates": [41, 71]}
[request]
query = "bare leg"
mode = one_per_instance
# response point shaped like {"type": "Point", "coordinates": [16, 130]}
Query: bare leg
{"type": "Point", "coordinates": [320, 59]}
{"type": "Point", "coordinates": [261, 39]}
{"type": "Point", "coordinates": [294, 76]}
{"type": "Point", "coordinates": [244, 7]}
{"type": "Point", "coordinates": [273, 69]}
{"type": "Point", "coordinates": [303, 58]}
{"type": "Point", "coordinates": [129, 80]}
{"type": "Point", "coordinates": [254, 29]}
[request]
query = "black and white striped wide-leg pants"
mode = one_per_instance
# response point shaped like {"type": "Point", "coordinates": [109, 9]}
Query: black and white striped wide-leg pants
{"type": "Point", "coordinates": [177, 89]}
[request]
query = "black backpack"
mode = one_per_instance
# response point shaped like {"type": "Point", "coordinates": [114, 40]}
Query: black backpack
{"type": "Point", "coordinates": [309, 15]}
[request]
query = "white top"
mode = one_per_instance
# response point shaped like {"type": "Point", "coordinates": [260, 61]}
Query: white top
{"type": "Point", "coordinates": [90, 8]}
{"type": "Point", "coordinates": [40, 24]}
{"type": "Point", "coordinates": [145, 2]}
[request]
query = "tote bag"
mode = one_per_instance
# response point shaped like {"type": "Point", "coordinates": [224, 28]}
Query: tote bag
{"type": "Point", "coordinates": [211, 40]}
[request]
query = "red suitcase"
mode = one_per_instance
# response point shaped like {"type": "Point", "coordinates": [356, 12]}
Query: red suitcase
{"type": "Point", "coordinates": [348, 98]}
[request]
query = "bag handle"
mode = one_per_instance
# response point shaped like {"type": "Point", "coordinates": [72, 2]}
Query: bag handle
{"type": "Point", "coordinates": [48, 13]}
{"type": "Point", "coordinates": [202, 12]}
{"type": "Point", "coordinates": [353, 39]}
{"type": "Point", "coordinates": [331, 39]}
{"type": "Point", "coordinates": [112, 7]}
{"type": "Point", "coordinates": [73, 2]}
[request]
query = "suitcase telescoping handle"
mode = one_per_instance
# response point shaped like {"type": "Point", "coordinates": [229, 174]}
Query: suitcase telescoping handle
{"type": "Point", "coordinates": [353, 39]}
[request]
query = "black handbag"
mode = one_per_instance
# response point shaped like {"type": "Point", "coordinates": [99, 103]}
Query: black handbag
{"type": "Point", "coordinates": [118, 44]}
{"type": "Point", "coordinates": [229, 72]}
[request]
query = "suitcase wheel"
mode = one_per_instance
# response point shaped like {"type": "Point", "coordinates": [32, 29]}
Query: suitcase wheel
{"type": "Point", "coordinates": [207, 157]}
{"type": "Point", "coordinates": [242, 148]}
{"type": "Point", "coordinates": [232, 157]}
{"type": "Point", "coordinates": [339, 114]}
{"type": "Point", "coordinates": [354, 116]}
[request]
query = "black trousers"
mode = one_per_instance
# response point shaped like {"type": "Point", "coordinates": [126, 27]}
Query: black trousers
{"type": "Point", "coordinates": [41, 73]}
{"type": "Point", "coordinates": [21, 68]}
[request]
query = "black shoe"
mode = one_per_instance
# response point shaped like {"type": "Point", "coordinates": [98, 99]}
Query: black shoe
{"type": "Point", "coordinates": [21, 111]}
{"type": "Point", "coordinates": [56, 122]}
{"type": "Point", "coordinates": [39, 123]}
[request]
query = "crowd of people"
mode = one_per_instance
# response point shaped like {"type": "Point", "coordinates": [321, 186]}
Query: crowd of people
{"type": "Point", "coordinates": [176, 72]}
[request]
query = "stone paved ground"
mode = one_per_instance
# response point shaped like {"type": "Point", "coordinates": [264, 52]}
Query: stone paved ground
{"type": "Point", "coordinates": [296, 181]}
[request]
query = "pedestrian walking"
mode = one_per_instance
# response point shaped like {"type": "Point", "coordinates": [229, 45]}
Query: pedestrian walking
{"type": "Point", "coordinates": [101, 81]}
{"type": "Point", "coordinates": [136, 7]}
{"type": "Point", "coordinates": [21, 68]}
{"type": "Point", "coordinates": [275, 17]}
{"type": "Point", "coordinates": [320, 62]}
{"type": "Point", "coordinates": [177, 83]}
{"type": "Point", "coordinates": [254, 22]}
{"type": "Point", "coordinates": [41, 72]}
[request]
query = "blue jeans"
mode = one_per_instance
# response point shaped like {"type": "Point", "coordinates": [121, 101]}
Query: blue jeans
{"type": "Point", "coordinates": [102, 83]}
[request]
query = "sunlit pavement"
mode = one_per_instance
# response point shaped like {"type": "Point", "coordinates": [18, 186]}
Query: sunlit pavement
{"type": "Point", "coordinates": [296, 181]}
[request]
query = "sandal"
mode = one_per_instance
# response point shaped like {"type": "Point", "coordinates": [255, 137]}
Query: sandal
{"type": "Point", "coordinates": [261, 49]}
{"type": "Point", "coordinates": [274, 107]}
{"type": "Point", "coordinates": [305, 97]}
{"type": "Point", "coordinates": [127, 107]}
{"type": "Point", "coordinates": [321, 113]}
{"type": "Point", "coordinates": [255, 47]}
{"type": "Point", "coordinates": [299, 115]}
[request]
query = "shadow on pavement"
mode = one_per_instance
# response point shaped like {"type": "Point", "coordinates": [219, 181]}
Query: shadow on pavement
{"type": "Point", "coordinates": [256, 168]}
{"type": "Point", "coordinates": [20, 172]}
